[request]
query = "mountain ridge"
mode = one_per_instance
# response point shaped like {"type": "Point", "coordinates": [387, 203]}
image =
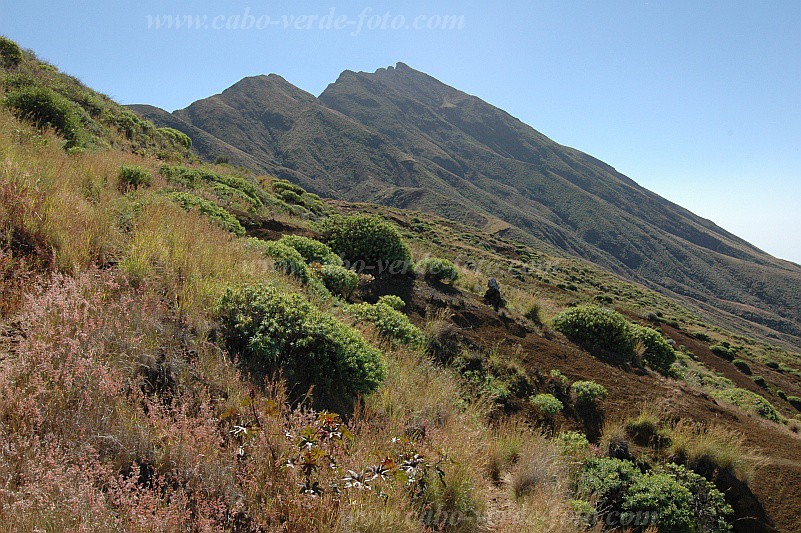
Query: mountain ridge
{"type": "Point", "coordinates": [400, 137]}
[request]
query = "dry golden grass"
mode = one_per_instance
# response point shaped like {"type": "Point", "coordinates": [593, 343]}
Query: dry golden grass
{"type": "Point", "coordinates": [713, 446]}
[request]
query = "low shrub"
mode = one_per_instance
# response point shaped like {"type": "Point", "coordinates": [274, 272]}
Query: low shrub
{"type": "Point", "coordinates": [436, 269]}
{"type": "Point", "coordinates": [10, 53]}
{"type": "Point", "coordinates": [313, 251]}
{"type": "Point", "coordinates": [795, 401]}
{"type": "Point", "coordinates": [176, 136]}
{"type": "Point", "coordinates": [597, 328]}
{"type": "Point", "coordinates": [723, 351]}
{"type": "Point", "coordinates": [285, 258]}
{"type": "Point", "coordinates": [338, 279]}
{"type": "Point", "coordinates": [275, 331]}
{"type": "Point", "coordinates": [607, 480]}
{"type": "Point", "coordinates": [749, 401]}
{"type": "Point", "coordinates": [760, 382]}
{"type": "Point", "coordinates": [391, 324]}
{"type": "Point", "coordinates": [45, 107]}
{"type": "Point", "coordinates": [395, 302]}
{"type": "Point", "coordinates": [781, 394]}
{"type": "Point", "coordinates": [368, 242]}
{"type": "Point", "coordinates": [670, 497]}
{"type": "Point", "coordinates": [547, 405]}
{"type": "Point", "coordinates": [742, 366]}
{"type": "Point", "coordinates": [658, 499]}
{"type": "Point", "coordinates": [588, 392]}
{"type": "Point", "coordinates": [659, 354]}
{"type": "Point", "coordinates": [133, 176]}
{"type": "Point", "coordinates": [558, 384]}
{"type": "Point", "coordinates": [217, 214]}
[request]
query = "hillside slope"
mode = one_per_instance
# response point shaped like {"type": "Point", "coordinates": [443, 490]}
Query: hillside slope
{"type": "Point", "coordinates": [400, 137]}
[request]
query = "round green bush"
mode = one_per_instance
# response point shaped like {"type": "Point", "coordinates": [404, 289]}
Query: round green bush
{"type": "Point", "coordinates": [133, 176]}
{"type": "Point", "coordinates": [588, 392]}
{"type": "Point", "coordinates": [395, 302]}
{"type": "Point", "coordinates": [44, 107]}
{"type": "Point", "coordinates": [742, 366]}
{"type": "Point", "coordinates": [760, 382]}
{"type": "Point", "coordinates": [547, 404]}
{"type": "Point", "coordinates": [596, 328]}
{"type": "Point", "coordinates": [367, 243]}
{"type": "Point", "coordinates": [669, 497]}
{"type": "Point", "coordinates": [658, 499]}
{"type": "Point", "coordinates": [607, 480]}
{"type": "Point", "coordinates": [275, 331]}
{"type": "Point", "coordinates": [285, 258]}
{"type": "Point", "coordinates": [339, 280]}
{"type": "Point", "coordinates": [436, 269]}
{"type": "Point", "coordinates": [391, 324]}
{"type": "Point", "coordinates": [658, 354]}
{"type": "Point", "coordinates": [10, 53]}
{"type": "Point", "coordinates": [723, 351]}
{"type": "Point", "coordinates": [313, 251]}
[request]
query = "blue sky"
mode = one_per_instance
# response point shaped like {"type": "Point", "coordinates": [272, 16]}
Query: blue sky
{"type": "Point", "coordinates": [699, 101]}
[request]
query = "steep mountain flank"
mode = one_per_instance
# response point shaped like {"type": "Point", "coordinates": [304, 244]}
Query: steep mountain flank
{"type": "Point", "coordinates": [400, 137]}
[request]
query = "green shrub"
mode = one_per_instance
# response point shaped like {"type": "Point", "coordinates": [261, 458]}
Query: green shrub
{"type": "Point", "coordinates": [670, 497]}
{"type": "Point", "coordinates": [437, 269]}
{"type": "Point", "coordinates": [781, 394]}
{"type": "Point", "coordinates": [176, 136]}
{"type": "Point", "coordinates": [133, 176]}
{"type": "Point", "coordinates": [313, 251]}
{"type": "Point", "coordinates": [742, 366]}
{"type": "Point", "coordinates": [710, 510]}
{"type": "Point", "coordinates": [339, 280]}
{"type": "Point", "coordinates": [608, 480]}
{"type": "Point", "coordinates": [217, 214]}
{"type": "Point", "coordinates": [588, 392]}
{"type": "Point", "coordinates": [367, 242]}
{"type": "Point", "coordinates": [658, 354]}
{"type": "Point", "coordinates": [658, 499]}
{"type": "Point", "coordinates": [10, 53]}
{"type": "Point", "coordinates": [749, 401]}
{"type": "Point", "coordinates": [723, 351]}
{"type": "Point", "coordinates": [274, 331]}
{"type": "Point", "coordinates": [285, 258]}
{"type": "Point", "coordinates": [45, 107]}
{"type": "Point", "coordinates": [795, 401]}
{"type": "Point", "coordinates": [390, 323]}
{"type": "Point", "coordinates": [395, 302]}
{"type": "Point", "coordinates": [597, 328]}
{"type": "Point", "coordinates": [547, 404]}
{"type": "Point", "coordinates": [760, 381]}
{"type": "Point", "coordinates": [219, 183]}
{"type": "Point", "coordinates": [558, 383]}
{"type": "Point", "coordinates": [284, 185]}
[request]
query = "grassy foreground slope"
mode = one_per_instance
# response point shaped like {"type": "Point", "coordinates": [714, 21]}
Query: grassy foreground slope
{"type": "Point", "coordinates": [128, 403]}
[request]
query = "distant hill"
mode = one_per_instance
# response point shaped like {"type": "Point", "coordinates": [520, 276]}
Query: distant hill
{"type": "Point", "coordinates": [400, 137]}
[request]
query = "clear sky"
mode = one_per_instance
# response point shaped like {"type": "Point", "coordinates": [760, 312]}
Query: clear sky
{"type": "Point", "coordinates": [699, 101]}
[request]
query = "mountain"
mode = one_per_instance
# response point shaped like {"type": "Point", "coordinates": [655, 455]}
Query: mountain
{"type": "Point", "coordinates": [400, 137]}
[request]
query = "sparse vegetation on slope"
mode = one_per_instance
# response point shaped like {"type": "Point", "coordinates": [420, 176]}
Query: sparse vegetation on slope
{"type": "Point", "coordinates": [154, 365]}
